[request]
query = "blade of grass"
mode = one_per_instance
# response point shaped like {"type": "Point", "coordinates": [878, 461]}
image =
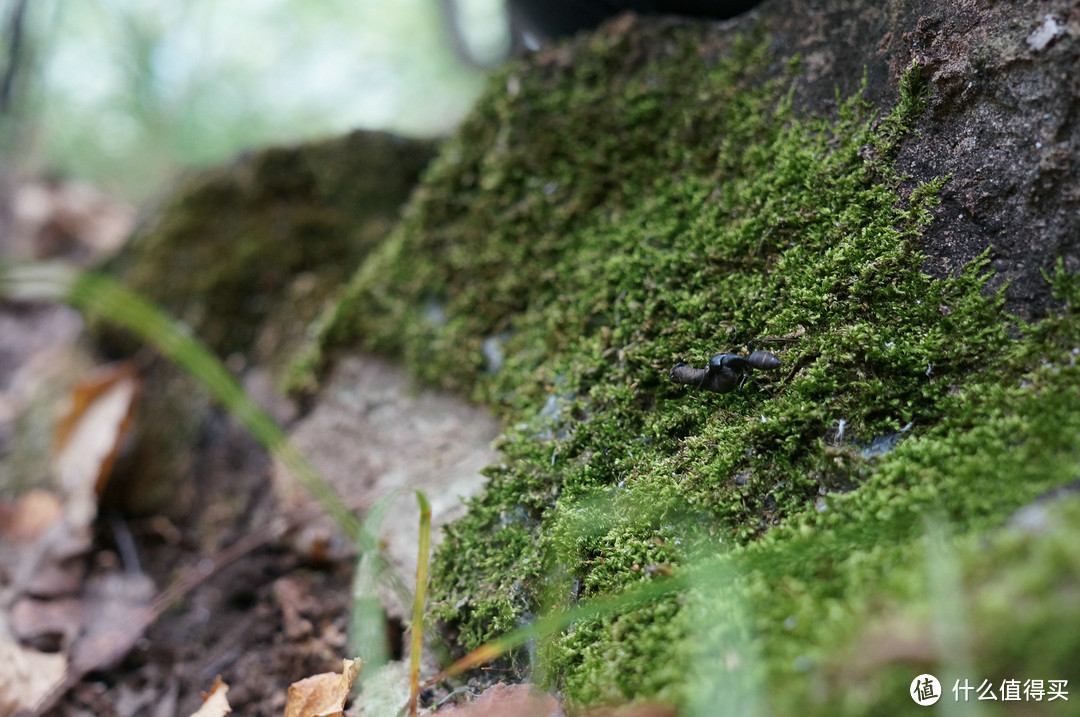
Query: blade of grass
{"type": "Point", "coordinates": [419, 598]}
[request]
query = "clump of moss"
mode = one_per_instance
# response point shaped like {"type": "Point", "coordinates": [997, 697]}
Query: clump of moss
{"type": "Point", "coordinates": [593, 223]}
{"type": "Point", "coordinates": [247, 254]}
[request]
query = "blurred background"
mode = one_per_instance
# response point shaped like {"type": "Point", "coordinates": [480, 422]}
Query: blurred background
{"type": "Point", "coordinates": [122, 93]}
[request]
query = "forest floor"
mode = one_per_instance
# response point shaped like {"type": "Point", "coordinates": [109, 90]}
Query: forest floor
{"type": "Point", "coordinates": [137, 615]}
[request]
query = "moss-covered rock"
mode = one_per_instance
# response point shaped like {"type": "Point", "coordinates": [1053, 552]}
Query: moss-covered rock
{"type": "Point", "coordinates": [659, 192]}
{"type": "Point", "coordinates": [248, 254]}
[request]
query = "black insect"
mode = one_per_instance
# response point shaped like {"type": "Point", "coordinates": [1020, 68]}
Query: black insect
{"type": "Point", "coordinates": [727, 372]}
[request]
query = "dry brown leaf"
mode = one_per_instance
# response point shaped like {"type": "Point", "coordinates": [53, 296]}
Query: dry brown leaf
{"type": "Point", "coordinates": [214, 703]}
{"type": "Point", "coordinates": [29, 527]}
{"type": "Point", "coordinates": [30, 516]}
{"type": "Point", "coordinates": [27, 675]}
{"type": "Point", "coordinates": [67, 219]}
{"type": "Point", "coordinates": [89, 435]}
{"type": "Point", "coordinates": [36, 544]}
{"type": "Point", "coordinates": [322, 695]}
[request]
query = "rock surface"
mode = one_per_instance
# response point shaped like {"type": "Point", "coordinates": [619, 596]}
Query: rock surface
{"type": "Point", "coordinates": [375, 438]}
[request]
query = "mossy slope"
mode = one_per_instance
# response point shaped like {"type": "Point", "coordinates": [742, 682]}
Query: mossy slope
{"type": "Point", "coordinates": [596, 221]}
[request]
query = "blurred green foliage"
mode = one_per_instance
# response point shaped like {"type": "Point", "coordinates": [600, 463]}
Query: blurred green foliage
{"type": "Point", "coordinates": [123, 92]}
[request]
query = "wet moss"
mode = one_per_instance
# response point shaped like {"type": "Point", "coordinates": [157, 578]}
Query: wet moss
{"type": "Point", "coordinates": [596, 221]}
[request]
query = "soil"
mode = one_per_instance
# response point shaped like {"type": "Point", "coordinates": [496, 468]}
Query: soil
{"type": "Point", "coordinates": [262, 622]}
{"type": "Point", "coordinates": [239, 597]}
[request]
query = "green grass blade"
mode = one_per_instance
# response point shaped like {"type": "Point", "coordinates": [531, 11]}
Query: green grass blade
{"type": "Point", "coordinates": [418, 600]}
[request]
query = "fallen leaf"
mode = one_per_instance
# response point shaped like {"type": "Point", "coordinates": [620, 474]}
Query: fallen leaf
{"type": "Point", "coordinates": [89, 436]}
{"type": "Point", "coordinates": [38, 547]}
{"type": "Point", "coordinates": [27, 675]}
{"type": "Point", "coordinates": [67, 219]}
{"type": "Point", "coordinates": [322, 695]}
{"type": "Point", "coordinates": [48, 625]}
{"type": "Point", "coordinates": [60, 572]}
{"type": "Point", "coordinates": [214, 703]}
{"type": "Point", "coordinates": [30, 528]}
{"type": "Point", "coordinates": [35, 511]}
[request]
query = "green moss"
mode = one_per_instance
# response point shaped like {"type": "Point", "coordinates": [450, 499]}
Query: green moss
{"type": "Point", "coordinates": [602, 219]}
{"type": "Point", "coordinates": [1011, 601]}
{"type": "Point", "coordinates": [248, 254]}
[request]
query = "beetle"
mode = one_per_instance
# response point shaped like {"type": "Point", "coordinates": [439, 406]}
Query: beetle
{"type": "Point", "coordinates": [727, 372]}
